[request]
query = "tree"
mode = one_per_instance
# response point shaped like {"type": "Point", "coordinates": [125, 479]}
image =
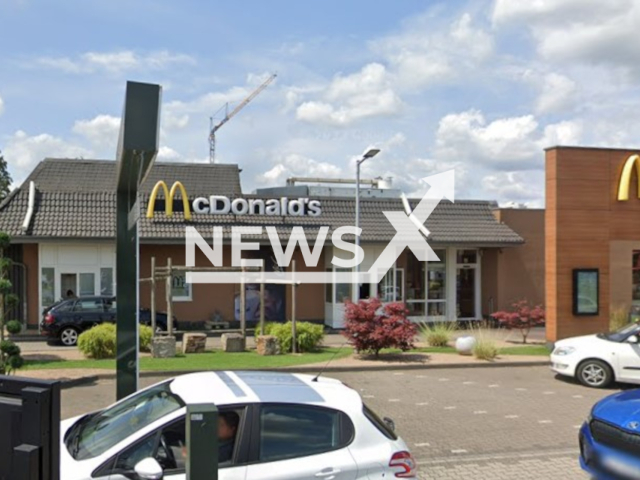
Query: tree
{"type": "Point", "coordinates": [370, 326]}
{"type": "Point", "coordinates": [5, 178]}
{"type": "Point", "coordinates": [10, 358]}
{"type": "Point", "coordinates": [521, 316]}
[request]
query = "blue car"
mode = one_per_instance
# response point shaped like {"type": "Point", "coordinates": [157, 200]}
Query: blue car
{"type": "Point", "coordinates": [610, 438]}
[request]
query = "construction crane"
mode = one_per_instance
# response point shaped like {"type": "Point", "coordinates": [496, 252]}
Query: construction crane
{"type": "Point", "coordinates": [228, 116]}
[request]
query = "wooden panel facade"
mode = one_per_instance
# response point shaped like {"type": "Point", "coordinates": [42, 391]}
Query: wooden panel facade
{"type": "Point", "coordinates": [584, 221]}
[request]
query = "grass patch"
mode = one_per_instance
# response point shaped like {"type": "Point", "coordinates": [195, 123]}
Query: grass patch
{"type": "Point", "coordinates": [525, 350]}
{"type": "Point", "coordinates": [485, 349]}
{"type": "Point", "coordinates": [437, 334]}
{"type": "Point", "coordinates": [213, 360]}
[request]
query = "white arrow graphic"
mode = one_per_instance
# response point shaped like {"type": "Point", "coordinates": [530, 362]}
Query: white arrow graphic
{"type": "Point", "coordinates": [410, 229]}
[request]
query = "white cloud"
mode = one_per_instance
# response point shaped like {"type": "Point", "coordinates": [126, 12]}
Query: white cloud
{"type": "Point", "coordinates": [171, 121]}
{"type": "Point", "coordinates": [559, 12]}
{"type": "Point", "coordinates": [168, 154]}
{"type": "Point", "coordinates": [477, 42]}
{"type": "Point", "coordinates": [101, 131]}
{"type": "Point", "coordinates": [516, 189]}
{"type": "Point", "coordinates": [295, 165]}
{"type": "Point", "coordinates": [211, 103]}
{"type": "Point", "coordinates": [361, 95]}
{"type": "Point", "coordinates": [23, 152]}
{"type": "Point", "coordinates": [584, 31]}
{"type": "Point", "coordinates": [557, 93]}
{"type": "Point", "coordinates": [425, 53]}
{"type": "Point", "coordinates": [414, 169]}
{"type": "Point", "coordinates": [506, 142]}
{"type": "Point", "coordinates": [1, 106]}
{"type": "Point", "coordinates": [114, 62]}
{"type": "Point", "coordinates": [564, 133]}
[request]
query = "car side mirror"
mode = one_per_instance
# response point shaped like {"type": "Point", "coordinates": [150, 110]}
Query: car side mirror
{"type": "Point", "coordinates": [632, 339]}
{"type": "Point", "coordinates": [389, 423]}
{"type": "Point", "coordinates": [148, 469]}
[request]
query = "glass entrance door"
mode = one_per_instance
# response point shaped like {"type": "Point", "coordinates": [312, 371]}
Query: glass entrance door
{"type": "Point", "coordinates": [68, 284]}
{"type": "Point", "coordinates": [466, 292]}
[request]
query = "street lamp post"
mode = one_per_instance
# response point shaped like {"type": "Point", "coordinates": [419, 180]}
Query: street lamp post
{"type": "Point", "coordinates": [370, 153]}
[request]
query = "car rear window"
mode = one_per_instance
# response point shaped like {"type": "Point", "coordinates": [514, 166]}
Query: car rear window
{"type": "Point", "coordinates": [65, 306]}
{"type": "Point", "coordinates": [379, 423]}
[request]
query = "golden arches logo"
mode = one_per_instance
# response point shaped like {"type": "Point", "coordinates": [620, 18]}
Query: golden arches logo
{"type": "Point", "coordinates": [169, 195]}
{"type": "Point", "coordinates": [625, 177]}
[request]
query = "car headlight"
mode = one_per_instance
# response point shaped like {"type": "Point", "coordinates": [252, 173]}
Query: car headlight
{"type": "Point", "coordinates": [564, 350]}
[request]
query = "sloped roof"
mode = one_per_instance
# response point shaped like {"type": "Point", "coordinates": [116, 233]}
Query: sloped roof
{"type": "Point", "coordinates": [87, 211]}
{"type": "Point", "coordinates": [64, 175]}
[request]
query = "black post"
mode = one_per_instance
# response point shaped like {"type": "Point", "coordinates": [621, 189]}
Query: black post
{"type": "Point", "coordinates": [137, 150]}
{"type": "Point", "coordinates": [126, 291]}
{"type": "Point", "coordinates": [26, 462]}
{"type": "Point", "coordinates": [202, 442]}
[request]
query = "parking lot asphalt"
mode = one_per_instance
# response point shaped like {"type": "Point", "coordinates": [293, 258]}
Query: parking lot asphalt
{"type": "Point", "coordinates": [482, 423]}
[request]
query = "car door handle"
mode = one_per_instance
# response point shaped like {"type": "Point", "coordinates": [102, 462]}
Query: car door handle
{"type": "Point", "coordinates": [327, 473]}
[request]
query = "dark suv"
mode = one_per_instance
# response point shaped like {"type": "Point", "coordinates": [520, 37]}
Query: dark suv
{"type": "Point", "coordinates": [67, 319]}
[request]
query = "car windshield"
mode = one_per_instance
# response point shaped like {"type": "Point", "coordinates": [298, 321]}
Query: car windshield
{"type": "Point", "coordinates": [97, 434]}
{"type": "Point", "coordinates": [622, 334]}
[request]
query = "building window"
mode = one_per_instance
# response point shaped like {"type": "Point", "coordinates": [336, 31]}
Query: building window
{"type": "Point", "coordinates": [47, 286]}
{"type": "Point", "coordinates": [106, 281]}
{"type": "Point", "coordinates": [391, 287]}
{"type": "Point", "coordinates": [87, 284]}
{"type": "Point", "coordinates": [328, 289]}
{"type": "Point", "coordinates": [414, 285]}
{"type": "Point", "coordinates": [635, 293]}
{"type": "Point", "coordinates": [180, 289]}
{"type": "Point", "coordinates": [467, 284]}
{"type": "Point", "coordinates": [467, 257]}
{"type": "Point", "coordinates": [343, 290]}
{"type": "Point", "coordinates": [437, 286]}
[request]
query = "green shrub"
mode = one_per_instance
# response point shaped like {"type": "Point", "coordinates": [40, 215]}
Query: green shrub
{"type": "Point", "coordinates": [99, 341]}
{"type": "Point", "coordinates": [5, 286]}
{"type": "Point", "coordinates": [13, 327]}
{"type": "Point", "coordinates": [5, 240]}
{"type": "Point", "coordinates": [10, 359]}
{"type": "Point", "coordinates": [267, 328]}
{"type": "Point", "coordinates": [437, 334]}
{"type": "Point", "coordinates": [8, 348]}
{"type": "Point", "coordinates": [309, 336]}
{"type": "Point", "coordinates": [485, 349]}
{"type": "Point", "coordinates": [146, 334]}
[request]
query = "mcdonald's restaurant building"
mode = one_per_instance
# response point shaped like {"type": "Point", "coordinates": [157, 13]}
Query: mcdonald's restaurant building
{"type": "Point", "coordinates": [592, 238]}
{"type": "Point", "coordinates": [62, 224]}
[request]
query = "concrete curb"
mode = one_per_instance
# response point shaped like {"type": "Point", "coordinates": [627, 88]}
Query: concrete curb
{"type": "Point", "coordinates": [78, 382]}
{"type": "Point", "coordinates": [75, 382]}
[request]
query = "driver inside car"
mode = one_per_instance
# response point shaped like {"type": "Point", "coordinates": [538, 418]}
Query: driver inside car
{"type": "Point", "coordinates": [227, 429]}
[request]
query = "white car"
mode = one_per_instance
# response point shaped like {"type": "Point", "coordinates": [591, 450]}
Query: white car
{"type": "Point", "coordinates": [598, 360]}
{"type": "Point", "coordinates": [289, 426]}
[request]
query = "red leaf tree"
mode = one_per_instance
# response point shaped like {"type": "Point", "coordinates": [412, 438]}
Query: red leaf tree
{"type": "Point", "coordinates": [522, 316]}
{"type": "Point", "coordinates": [370, 326]}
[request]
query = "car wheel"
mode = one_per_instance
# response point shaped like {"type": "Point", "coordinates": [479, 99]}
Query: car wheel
{"type": "Point", "coordinates": [69, 336]}
{"type": "Point", "coordinates": [594, 373]}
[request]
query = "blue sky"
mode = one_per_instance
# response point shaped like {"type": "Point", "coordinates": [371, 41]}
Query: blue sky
{"type": "Point", "coordinates": [480, 86]}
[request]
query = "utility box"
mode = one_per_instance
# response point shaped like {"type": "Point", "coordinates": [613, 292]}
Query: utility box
{"type": "Point", "coordinates": [202, 442]}
{"type": "Point", "coordinates": [29, 429]}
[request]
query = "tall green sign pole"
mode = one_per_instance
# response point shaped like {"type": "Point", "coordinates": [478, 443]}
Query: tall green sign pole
{"type": "Point", "coordinates": [137, 150]}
